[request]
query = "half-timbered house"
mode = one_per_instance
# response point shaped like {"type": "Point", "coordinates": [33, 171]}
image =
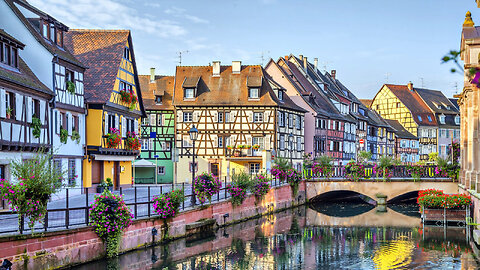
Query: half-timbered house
{"type": "Point", "coordinates": [242, 116]}
{"type": "Point", "coordinates": [157, 129]}
{"type": "Point", "coordinates": [114, 104]}
{"type": "Point", "coordinates": [55, 67]}
{"type": "Point", "coordinates": [24, 110]}
{"type": "Point", "coordinates": [406, 144]}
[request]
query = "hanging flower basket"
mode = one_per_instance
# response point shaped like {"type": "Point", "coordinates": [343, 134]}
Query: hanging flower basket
{"type": "Point", "coordinates": [127, 96]}
{"type": "Point", "coordinates": [205, 186]}
{"type": "Point", "coordinates": [132, 141]}
{"type": "Point", "coordinates": [113, 138]}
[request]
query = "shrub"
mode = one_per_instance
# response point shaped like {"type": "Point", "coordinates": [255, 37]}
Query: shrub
{"type": "Point", "coordinates": [293, 178]}
{"type": "Point", "coordinates": [177, 196]}
{"type": "Point", "coordinates": [364, 156]}
{"type": "Point", "coordinates": [164, 206]}
{"type": "Point", "coordinates": [430, 192]}
{"type": "Point", "coordinates": [109, 215]}
{"type": "Point", "coordinates": [260, 186]}
{"type": "Point", "coordinates": [354, 171]}
{"type": "Point", "coordinates": [132, 141]}
{"type": "Point", "coordinates": [242, 180]}
{"type": "Point", "coordinates": [416, 171]}
{"type": "Point", "coordinates": [37, 181]}
{"type": "Point", "coordinates": [205, 186]}
{"type": "Point", "coordinates": [280, 168]}
{"type": "Point", "coordinates": [382, 167]}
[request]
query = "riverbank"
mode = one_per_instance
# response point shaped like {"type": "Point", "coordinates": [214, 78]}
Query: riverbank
{"type": "Point", "coordinates": [65, 248]}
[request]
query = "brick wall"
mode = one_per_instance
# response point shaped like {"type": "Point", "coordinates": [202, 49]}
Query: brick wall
{"type": "Point", "coordinates": [69, 247]}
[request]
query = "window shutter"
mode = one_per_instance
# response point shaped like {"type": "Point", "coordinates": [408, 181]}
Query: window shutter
{"type": "Point", "coordinates": [233, 139]}
{"type": "Point", "coordinates": [150, 144]}
{"type": "Point", "coordinates": [80, 126]}
{"type": "Point", "coordinates": [328, 121]}
{"type": "Point", "coordinates": [56, 115]}
{"type": "Point", "coordinates": [153, 119]}
{"type": "Point", "coordinates": [215, 117]}
{"type": "Point", "coordinates": [29, 109]}
{"type": "Point", "coordinates": [179, 117]}
{"type": "Point", "coordinates": [266, 115]}
{"type": "Point", "coordinates": [232, 116]}
{"type": "Point", "coordinates": [105, 118]}
{"type": "Point", "coordinates": [196, 116]}
{"type": "Point", "coordinates": [42, 111]}
{"type": "Point", "coordinates": [214, 140]}
{"type": "Point", "coordinates": [117, 121]}
{"type": "Point", "coordinates": [3, 107]}
{"type": "Point", "coordinates": [18, 106]}
{"type": "Point", "coordinates": [249, 139]}
{"type": "Point", "coordinates": [340, 147]}
{"type": "Point", "coordinates": [163, 119]}
{"type": "Point", "coordinates": [250, 117]}
{"type": "Point", "coordinates": [124, 127]}
{"type": "Point", "coordinates": [69, 123]}
{"type": "Point", "coordinates": [267, 142]}
{"type": "Point", "coordinates": [135, 126]}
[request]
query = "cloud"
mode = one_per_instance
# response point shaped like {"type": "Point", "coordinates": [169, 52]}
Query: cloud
{"type": "Point", "coordinates": [107, 14]}
{"type": "Point", "coordinates": [181, 13]}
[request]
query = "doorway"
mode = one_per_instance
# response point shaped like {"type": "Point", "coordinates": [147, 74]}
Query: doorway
{"type": "Point", "coordinates": [215, 169]}
{"type": "Point", "coordinates": [116, 174]}
{"type": "Point", "coordinates": [3, 204]}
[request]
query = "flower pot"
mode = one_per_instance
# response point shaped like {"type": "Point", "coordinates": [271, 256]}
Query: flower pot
{"type": "Point", "coordinates": [236, 153]}
{"type": "Point", "coordinates": [450, 214]}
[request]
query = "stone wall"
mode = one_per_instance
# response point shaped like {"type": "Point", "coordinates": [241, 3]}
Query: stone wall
{"type": "Point", "coordinates": [70, 247]}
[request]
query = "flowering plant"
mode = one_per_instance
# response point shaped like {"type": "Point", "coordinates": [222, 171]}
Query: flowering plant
{"type": "Point", "coordinates": [260, 186]}
{"type": "Point", "coordinates": [63, 135]}
{"type": "Point", "coordinates": [354, 171]}
{"type": "Point", "coordinates": [229, 147]}
{"type": "Point", "coordinates": [241, 146]}
{"type": "Point", "coordinates": [109, 215]}
{"type": "Point", "coordinates": [256, 146]}
{"type": "Point", "coordinates": [128, 97]}
{"type": "Point", "coordinates": [322, 166]}
{"type": "Point", "coordinates": [430, 192]}
{"type": "Point", "coordinates": [167, 205]}
{"type": "Point", "coordinates": [37, 181]}
{"type": "Point", "coordinates": [416, 171]}
{"type": "Point", "coordinates": [444, 201]}
{"type": "Point", "coordinates": [205, 186]}
{"type": "Point", "coordinates": [293, 178]}
{"type": "Point", "coordinates": [279, 169]}
{"type": "Point", "coordinates": [385, 173]}
{"type": "Point", "coordinates": [132, 141]}
{"type": "Point", "coordinates": [238, 194]}
{"type": "Point", "coordinates": [113, 138]}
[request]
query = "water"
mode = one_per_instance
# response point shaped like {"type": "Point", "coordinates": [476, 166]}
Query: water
{"type": "Point", "coordinates": [326, 236]}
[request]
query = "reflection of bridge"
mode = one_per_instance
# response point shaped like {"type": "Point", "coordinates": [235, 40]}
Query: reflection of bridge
{"type": "Point", "coordinates": [372, 218]}
{"type": "Point", "coordinates": [390, 189]}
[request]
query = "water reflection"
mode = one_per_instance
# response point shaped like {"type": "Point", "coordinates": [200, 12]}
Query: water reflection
{"type": "Point", "coordinates": [303, 238]}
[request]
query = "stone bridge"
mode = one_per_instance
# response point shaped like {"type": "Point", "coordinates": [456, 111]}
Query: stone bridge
{"type": "Point", "coordinates": [372, 189]}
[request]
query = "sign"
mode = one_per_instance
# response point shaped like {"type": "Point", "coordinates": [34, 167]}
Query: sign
{"type": "Point", "coordinates": [153, 135]}
{"type": "Point", "coordinates": [362, 141]}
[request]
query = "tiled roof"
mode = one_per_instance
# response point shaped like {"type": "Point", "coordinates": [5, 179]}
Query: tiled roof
{"type": "Point", "coordinates": [62, 53]}
{"type": "Point", "coordinates": [437, 101]}
{"type": "Point", "coordinates": [366, 102]}
{"type": "Point", "coordinates": [400, 131]}
{"type": "Point", "coordinates": [414, 103]}
{"type": "Point", "coordinates": [454, 101]}
{"type": "Point", "coordinates": [8, 36]}
{"type": "Point", "coordinates": [227, 89]}
{"type": "Point", "coordinates": [162, 86]}
{"type": "Point", "coordinates": [471, 32]}
{"type": "Point", "coordinates": [102, 51]}
{"type": "Point", "coordinates": [23, 77]}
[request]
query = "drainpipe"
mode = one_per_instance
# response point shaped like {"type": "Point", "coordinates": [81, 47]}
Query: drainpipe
{"type": "Point", "coordinates": [52, 101]}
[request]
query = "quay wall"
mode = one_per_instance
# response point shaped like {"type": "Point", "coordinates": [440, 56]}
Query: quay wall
{"type": "Point", "coordinates": [59, 249]}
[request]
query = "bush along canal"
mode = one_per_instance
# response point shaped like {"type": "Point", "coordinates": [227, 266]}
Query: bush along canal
{"type": "Point", "coordinates": [346, 235]}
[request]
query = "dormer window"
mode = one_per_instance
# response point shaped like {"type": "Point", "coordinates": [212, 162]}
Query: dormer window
{"type": "Point", "coordinates": [59, 39]}
{"type": "Point", "coordinates": [9, 52]}
{"type": "Point", "coordinates": [189, 93]}
{"type": "Point", "coordinates": [126, 53]}
{"type": "Point", "coordinates": [254, 93]}
{"type": "Point", "coordinates": [52, 32]}
{"type": "Point", "coordinates": [280, 94]}
{"type": "Point", "coordinates": [457, 120]}
{"type": "Point", "coordinates": [429, 118]}
{"type": "Point", "coordinates": [442, 119]}
{"type": "Point", "coordinates": [45, 31]}
{"type": "Point", "coordinates": [158, 99]}
{"type": "Point", "coordinates": [419, 118]}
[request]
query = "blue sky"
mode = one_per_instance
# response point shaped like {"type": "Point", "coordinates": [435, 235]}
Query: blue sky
{"type": "Point", "coordinates": [365, 41]}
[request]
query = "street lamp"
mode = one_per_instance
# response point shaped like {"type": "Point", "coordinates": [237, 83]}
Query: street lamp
{"type": "Point", "coordinates": [193, 132]}
{"type": "Point", "coordinates": [290, 140]}
{"type": "Point", "coordinates": [156, 169]}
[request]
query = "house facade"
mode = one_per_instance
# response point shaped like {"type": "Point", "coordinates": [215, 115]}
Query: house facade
{"type": "Point", "coordinates": [406, 144]}
{"type": "Point", "coordinates": [234, 108]}
{"type": "Point", "coordinates": [157, 130]}
{"type": "Point", "coordinates": [114, 104]}
{"type": "Point", "coordinates": [56, 68]}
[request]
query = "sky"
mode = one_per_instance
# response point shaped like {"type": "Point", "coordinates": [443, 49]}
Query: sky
{"type": "Point", "coordinates": [369, 42]}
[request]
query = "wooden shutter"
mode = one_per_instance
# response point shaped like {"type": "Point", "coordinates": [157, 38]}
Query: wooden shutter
{"type": "Point", "coordinates": [250, 116]}
{"type": "Point", "coordinates": [117, 121]}
{"type": "Point", "coordinates": [3, 106]}
{"type": "Point", "coordinates": [153, 119]}
{"type": "Point", "coordinates": [42, 111]}
{"type": "Point", "coordinates": [267, 142]}
{"type": "Point", "coordinates": [214, 139]}
{"type": "Point", "coordinates": [18, 106]}
{"type": "Point", "coordinates": [29, 109]}
{"type": "Point", "coordinates": [69, 123]}
{"type": "Point", "coordinates": [135, 126]}
{"type": "Point", "coordinates": [179, 116]}
{"type": "Point", "coordinates": [249, 139]}
{"type": "Point", "coordinates": [105, 119]}
{"type": "Point", "coordinates": [124, 127]}
{"type": "Point", "coordinates": [196, 115]}
{"type": "Point", "coordinates": [266, 115]}
{"type": "Point", "coordinates": [81, 126]}
{"type": "Point", "coordinates": [232, 116]}
{"type": "Point", "coordinates": [215, 117]}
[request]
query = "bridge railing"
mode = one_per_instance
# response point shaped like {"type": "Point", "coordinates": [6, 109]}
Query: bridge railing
{"type": "Point", "coordinates": [396, 172]}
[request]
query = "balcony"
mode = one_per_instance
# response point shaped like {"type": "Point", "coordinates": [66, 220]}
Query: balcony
{"type": "Point", "coordinates": [244, 154]}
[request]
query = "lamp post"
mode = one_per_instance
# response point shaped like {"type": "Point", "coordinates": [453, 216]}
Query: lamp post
{"type": "Point", "coordinates": [290, 140]}
{"type": "Point", "coordinates": [193, 132]}
{"type": "Point", "coordinates": [156, 169]}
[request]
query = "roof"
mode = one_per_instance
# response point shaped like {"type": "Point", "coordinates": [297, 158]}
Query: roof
{"type": "Point", "coordinates": [228, 89]}
{"type": "Point", "coordinates": [163, 86]}
{"type": "Point", "coordinates": [14, 40]}
{"type": "Point", "coordinates": [471, 32]}
{"type": "Point", "coordinates": [414, 103]}
{"type": "Point", "coordinates": [400, 131]}
{"type": "Point", "coordinates": [437, 101]}
{"type": "Point", "coordinates": [54, 49]}
{"type": "Point", "coordinates": [23, 77]}
{"type": "Point", "coordinates": [366, 102]}
{"type": "Point", "coordinates": [102, 51]}
{"type": "Point", "coordinates": [454, 101]}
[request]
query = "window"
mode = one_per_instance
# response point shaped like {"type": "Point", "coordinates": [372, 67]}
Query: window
{"type": "Point", "coordinates": [220, 142]}
{"type": "Point", "coordinates": [71, 172]}
{"type": "Point", "coordinates": [6, 54]}
{"type": "Point", "coordinates": [419, 118]}
{"type": "Point", "coordinates": [161, 170]}
{"type": "Point", "coordinates": [281, 119]}
{"type": "Point", "coordinates": [290, 120]}
{"type": "Point", "coordinates": [280, 94]}
{"type": "Point", "coordinates": [145, 121]}
{"type": "Point", "coordinates": [253, 93]}
{"type": "Point", "coordinates": [14, 62]}
{"type": "Point", "coordinates": [189, 93]}
{"type": "Point", "coordinates": [299, 144]}
{"type": "Point", "coordinates": [165, 146]}
{"type": "Point", "coordinates": [257, 117]}
{"type": "Point", "coordinates": [10, 104]}
{"type": "Point", "coordinates": [298, 122]}
{"type": "Point", "coordinates": [158, 100]}
{"type": "Point", "coordinates": [259, 141]}
{"type": "Point", "coordinates": [57, 165]}
{"type": "Point", "coordinates": [45, 30]}
{"type": "Point", "coordinates": [69, 76]}
{"type": "Point", "coordinates": [187, 116]}
{"type": "Point", "coordinates": [254, 168]}
{"type": "Point", "coordinates": [159, 120]}
{"type": "Point", "coordinates": [220, 117]}
{"type": "Point", "coordinates": [457, 120]}
{"type": "Point", "coordinates": [52, 32]}
{"type": "Point", "coordinates": [74, 123]}
{"type": "Point", "coordinates": [398, 105]}
{"type": "Point", "coordinates": [429, 118]}
{"type": "Point", "coordinates": [59, 39]}
{"type": "Point", "coordinates": [126, 86]}
{"type": "Point", "coordinates": [36, 108]}
{"type": "Point", "coordinates": [227, 117]}
{"type": "Point", "coordinates": [282, 142]}
{"type": "Point", "coordinates": [191, 166]}
{"type": "Point", "coordinates": [126, 53]}
{"type": "Point", "coordinates": [144, 144]}
{"type": "Point", "coordinates": [186, 142]}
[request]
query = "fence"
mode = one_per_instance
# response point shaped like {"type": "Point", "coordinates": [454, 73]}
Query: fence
{"type": "Point", "coordinates": [73, 212]}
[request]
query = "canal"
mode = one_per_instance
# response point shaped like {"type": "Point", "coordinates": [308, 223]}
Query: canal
{"type": "Point", "coordinates": [342, 235]}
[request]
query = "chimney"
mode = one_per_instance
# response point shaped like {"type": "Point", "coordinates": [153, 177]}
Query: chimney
{"type": "Point", "coordinates": [301, 57]}
{"type": "Point", "coordinates": [152, 75]}
{"type": "Point", "coordinates": [333, 73]}
{"type": "Point", "coordinates": [216, 68]}
{"type": "Point", "coordinates": [286, 57]}
{"type": "Point", "coordinates": [236, 67]}
{"type": "Point", "coordinates": [305, 63]}
{"type": "Point", "coordinates": [315, 63]}
{"type": "Point", "coordinates": [410, 86]}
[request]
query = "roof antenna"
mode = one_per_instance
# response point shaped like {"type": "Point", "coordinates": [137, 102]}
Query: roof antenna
{"type": "Point", "coordinates": [263, 56]}
{"type": "Point", "coordinates": [180, 56]}
{"type": "Point", "coordinates": [325, 64]}
{"type": "Point", "coordinates": [387, 75]}
{"type": "Point", "coordinates": [422, 82]}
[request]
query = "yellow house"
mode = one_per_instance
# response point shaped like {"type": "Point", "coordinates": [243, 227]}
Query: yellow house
{"type": "Point", "coordinates": [114, 104]}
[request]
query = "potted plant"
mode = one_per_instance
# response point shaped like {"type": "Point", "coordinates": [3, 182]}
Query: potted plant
{"type": "Point", "coordinates": [63, 135]}
{"type": "Point", "coordinates": [9, 112]}
{"type": "Point", "coordinates": [75, 136]}
{"type": "Point", "coordinates": [129, 98]}
{"type": "Point", "coordinates": [105, 185]}
{"type": "Point", "coordinates": [36, 127]}
{"type": "Point", "coordinates": [113, 138]}
{"type": "Point", "coordinates": [132, 141]}
{"type": "Point", "coordinates": [354, 171]}
{"type": "Point", "coordinates": [436, 205]}
{"type": "Point", "coordinates": [322, 166]}
{"type": "Point", "coordinates": [205, 186]}
{"type": "Point", "coordinates": [256, 146]}
{"type": "Point", "coordinates": [71, 87]}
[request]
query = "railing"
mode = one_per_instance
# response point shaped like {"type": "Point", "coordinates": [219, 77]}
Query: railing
{"type": "Point", "coordinates": [73, 211]}
{"type": "Point", "coordinates": [398, 172]}
{"type": "Point", "coordinates": [244, 152]}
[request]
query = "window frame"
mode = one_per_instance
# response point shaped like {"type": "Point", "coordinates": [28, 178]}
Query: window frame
{"type": "Point", "coordinates": [251, 91]}
{"type": "Point", "coordinates": [258, 117]}
{"type": "Point", "coordinates": [186, 92]}
{"type": "Point", "coordinates": [161, 170]}
{"type": "Point", "coordinates": [188, 117]}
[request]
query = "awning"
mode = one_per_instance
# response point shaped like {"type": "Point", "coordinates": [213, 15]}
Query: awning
{"type": "Point", "coordinates": [142, 163]}
{"type": "Point", "coordinates": [113, 158]}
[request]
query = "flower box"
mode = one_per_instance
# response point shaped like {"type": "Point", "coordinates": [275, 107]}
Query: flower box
{"type": "Point", "coordinates": [444, 214]}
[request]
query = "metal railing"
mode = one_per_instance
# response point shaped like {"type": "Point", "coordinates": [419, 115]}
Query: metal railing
{"type": "Point", "coordinates": [73, 211]}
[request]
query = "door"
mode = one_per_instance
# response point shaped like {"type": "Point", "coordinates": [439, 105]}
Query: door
{"type": "Point", "coordinates": [215, 169]}
{"type": "Point", "coordinates": [3, 204]}
{"type": "Point", "coordinates": [116, 174]}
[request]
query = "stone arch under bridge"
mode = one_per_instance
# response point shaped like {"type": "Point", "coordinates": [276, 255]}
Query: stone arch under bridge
{"type": "Point", "coordinates": [391, 189]}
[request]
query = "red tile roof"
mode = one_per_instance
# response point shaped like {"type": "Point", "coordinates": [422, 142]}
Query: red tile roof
{"type": "Point", "coordinates": [163, 86]}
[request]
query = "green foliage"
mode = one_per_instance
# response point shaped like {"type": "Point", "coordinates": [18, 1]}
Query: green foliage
{"type": "Point", "coordinates": [364, 156]}
{"type": "Point", "coordinates": [453, 56]}
{"type": "Point", "coordinates": [323, 165]}
{"type": "Point", "coordinates": [433, 156]}
{"type": "Point", "coordinates": [261, 186]}
{"type": "Point", "coordinates": [354, 171]}
{"type": "Point", "coordinates": [167, 205]}
{"type": "Point", "coordinates": [282, 163]}
{"type": "Point", "coordinates": [63, 135]}
{"type": "Point", "coordinates": [385, 161]}
{"type": "Point", "coordinates": [242, 180]}
{"type": "Point", "coordinates": [36, 126]}
{"type": "Point", "coordinates": [307, 160]}
{"type": "Point", "coordinates": [205, 186]}
{"type": "Point", "coordinates": [415, 171]}
{"type": "Point", "coordinates": [177, 196]}
{"type": "Point", "coordinates": [110, 216]}
{"type": "Point", "coordinates": [106, 184]}
{"type": "Point", "coordinates": [37, 181]}
{"type": "Point", "coordinates": [76, 136]}
{"type": "Point", "coordinates": [70, 87]}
